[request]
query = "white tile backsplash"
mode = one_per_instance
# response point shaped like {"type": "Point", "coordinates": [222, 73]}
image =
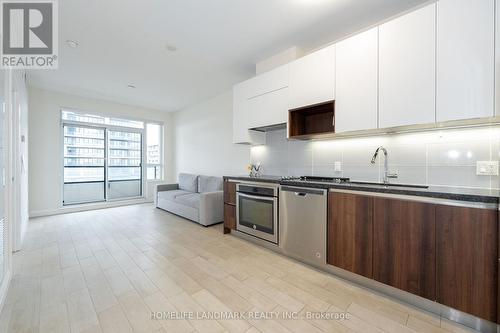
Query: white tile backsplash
{"type": "Point", "coordinates": [446, 157]}
{"type": "Point", "coordinates": [459, 153]}
{"type": "Point", "coordinates": [457, 175]}
{"type": "Point", "coordinates": [362, 173]}
{"type": "Point", "coordinates": [326, 171]}
{"type": "Point", "coordinates": [359, 155]}
{"type": "Point", "coordinates": [326, 155]}
{"type": "Point", "coordinates": [407, 155]}
{"type": "Point", "coordinates": [409, 174]}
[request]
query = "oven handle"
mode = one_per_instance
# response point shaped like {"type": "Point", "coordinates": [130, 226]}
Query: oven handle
{"type": "Point", "coordinates": [257, 197]}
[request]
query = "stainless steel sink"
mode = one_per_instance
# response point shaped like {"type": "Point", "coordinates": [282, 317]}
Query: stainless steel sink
{"type": "Point", "coordinates": [390, 185]}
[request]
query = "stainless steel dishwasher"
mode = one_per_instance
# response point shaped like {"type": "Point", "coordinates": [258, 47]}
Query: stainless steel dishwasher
{"type": "Point", "coordinates": [303, 223]}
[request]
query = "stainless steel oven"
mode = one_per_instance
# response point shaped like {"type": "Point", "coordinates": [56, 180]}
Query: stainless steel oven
{"type": "Point", "coordinates": [257, 210]}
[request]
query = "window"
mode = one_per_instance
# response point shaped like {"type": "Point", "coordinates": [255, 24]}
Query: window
{"type": "Point", "coordinates": [103, 157]}
{"type": "Point", "coordinates": [93, 119]}
{"type": "Point", "coordinates": [83, 164]}
{"type": "Point", "coordinates": [154, 151]}
{"type": "Point", "coordinates": [124, 164]}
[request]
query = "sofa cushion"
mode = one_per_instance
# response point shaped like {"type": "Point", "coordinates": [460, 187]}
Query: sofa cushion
{"type": "Point", "coordinates": [191, 200]}
{"type": "Point", "coordinates": [178, 209]}
{"type": "Point", "coordinates": [188, 182]}
{"type": "Point", "coordinates": [171, 195]}
{"type": "Point", "coordinates": [209, 184]}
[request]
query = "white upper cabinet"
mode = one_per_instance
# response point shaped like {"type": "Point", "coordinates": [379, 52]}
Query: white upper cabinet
{"type": "Point", "coordinates": [465, 59]}
{"type": "Point", "coordinates": [356, 101]}
{"type": "Point", "coordinates": [312, 78]}
{"type": "Point", "coordinates": [407, 69]}
{"type": "Point", "coordinates": [242, 118]}
{"type": "Point", "coordinates": [258, 102]}
{"type": "Point", "coordinates": [437, 63]}
{"type": "Point", "coordinates": [268, 82]}
{"type": "Point", "coordinates": [267, 98]}
{"type": "Point", "coordinates": [269, 109]}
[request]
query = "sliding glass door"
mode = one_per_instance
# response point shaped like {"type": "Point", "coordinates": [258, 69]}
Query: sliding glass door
{"type": "Point", "coordinates": [101, 164]}
{"type": "Point", "coordinates": [84, 167]}
{"type": "Point", "coordinates": [124, 164]}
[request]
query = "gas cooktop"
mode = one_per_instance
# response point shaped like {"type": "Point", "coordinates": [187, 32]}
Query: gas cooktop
{"type": "Point", "coordinates": [316, 179]}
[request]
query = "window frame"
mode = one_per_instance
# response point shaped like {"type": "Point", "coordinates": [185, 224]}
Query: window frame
{"type": "Point", "coordinates": [106, 128]}
{"type": "Point", "coordinates": [161, 150]}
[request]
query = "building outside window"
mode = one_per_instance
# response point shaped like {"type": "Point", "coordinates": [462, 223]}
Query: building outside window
{"type": "Point", "coordinates": [154, 152]}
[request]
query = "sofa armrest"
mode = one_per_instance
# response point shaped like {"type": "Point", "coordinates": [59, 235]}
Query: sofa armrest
{"type": "Point", "coordinates": [211, 207]}
{"type": "Point", "coordinates": [166, 187]}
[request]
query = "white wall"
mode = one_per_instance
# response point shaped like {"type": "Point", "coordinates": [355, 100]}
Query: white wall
{"type": "Point", "coordinates": [20, 156]}
{"type": "Point", "coordinates": [5, 188]}
{"type": "Point", "coordinates": [277, 60]}
{"type": "Point", "coordinates": [13, 94]}
{"type": "Point", "coordinates": [45, 142]}
{"type": "Point", "coordinates": [203, 139]}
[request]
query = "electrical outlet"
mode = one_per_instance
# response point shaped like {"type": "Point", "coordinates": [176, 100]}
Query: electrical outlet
{"type": "Point", "coordinates": [487, 168]}
{"type": "Point", "coordinates": [338, 166]}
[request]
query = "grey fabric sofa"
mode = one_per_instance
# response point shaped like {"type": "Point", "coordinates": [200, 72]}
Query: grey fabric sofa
{"type": "Point", "coordinates": [195, 197]}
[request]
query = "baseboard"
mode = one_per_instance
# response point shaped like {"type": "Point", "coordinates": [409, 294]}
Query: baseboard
{"type": "Point", "coordinates": [87, 207]}
{"type": "Point", "coordinates": [4, 288]}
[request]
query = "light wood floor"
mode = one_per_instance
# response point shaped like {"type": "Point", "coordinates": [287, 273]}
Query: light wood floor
{"type": "Point", "coordinates": [107, 270]}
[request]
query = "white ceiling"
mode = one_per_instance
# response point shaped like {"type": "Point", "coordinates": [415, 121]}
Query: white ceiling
{"type": "Point", "coordinates": [124, 42]}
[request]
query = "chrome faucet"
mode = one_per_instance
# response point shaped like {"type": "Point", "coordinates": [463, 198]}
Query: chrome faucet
{"type": "Point", "coordinates": [387, 175]}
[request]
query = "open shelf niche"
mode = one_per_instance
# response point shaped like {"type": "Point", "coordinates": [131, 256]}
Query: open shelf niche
{"type": "Point", "coordinates": [312, 121]}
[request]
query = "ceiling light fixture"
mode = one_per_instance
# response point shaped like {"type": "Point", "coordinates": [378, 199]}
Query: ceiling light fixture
{"type": "Point", "coordinates": [171, 48]}
{"type": "Point", "coordinates": [72, 43]}
{"type": "Point", "coordinates": [131, 86]}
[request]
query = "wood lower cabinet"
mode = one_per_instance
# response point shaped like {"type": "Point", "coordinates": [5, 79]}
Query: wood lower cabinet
{"type": "Point", "coordinates": [447, 254]}
{"type": "Point", "coordinates": [467, 260]}
{"type": "Point", "coordinates": [229, 206]}
{"type": "Point", "coordinates": [229, 218]}
{"type": "Point", "coordinates": [230, 192]}
{"type": "Point", "coordinates": [404, 246]}
{"type": "Point", "coordinates": [349, 243]}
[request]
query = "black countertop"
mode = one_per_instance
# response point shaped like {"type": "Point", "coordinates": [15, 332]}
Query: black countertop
{"type": "Point", "coordinates": [441, 192]}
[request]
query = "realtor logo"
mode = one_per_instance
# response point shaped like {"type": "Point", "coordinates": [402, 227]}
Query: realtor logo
{"type": "Point", "coordinates": [29, 34]}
